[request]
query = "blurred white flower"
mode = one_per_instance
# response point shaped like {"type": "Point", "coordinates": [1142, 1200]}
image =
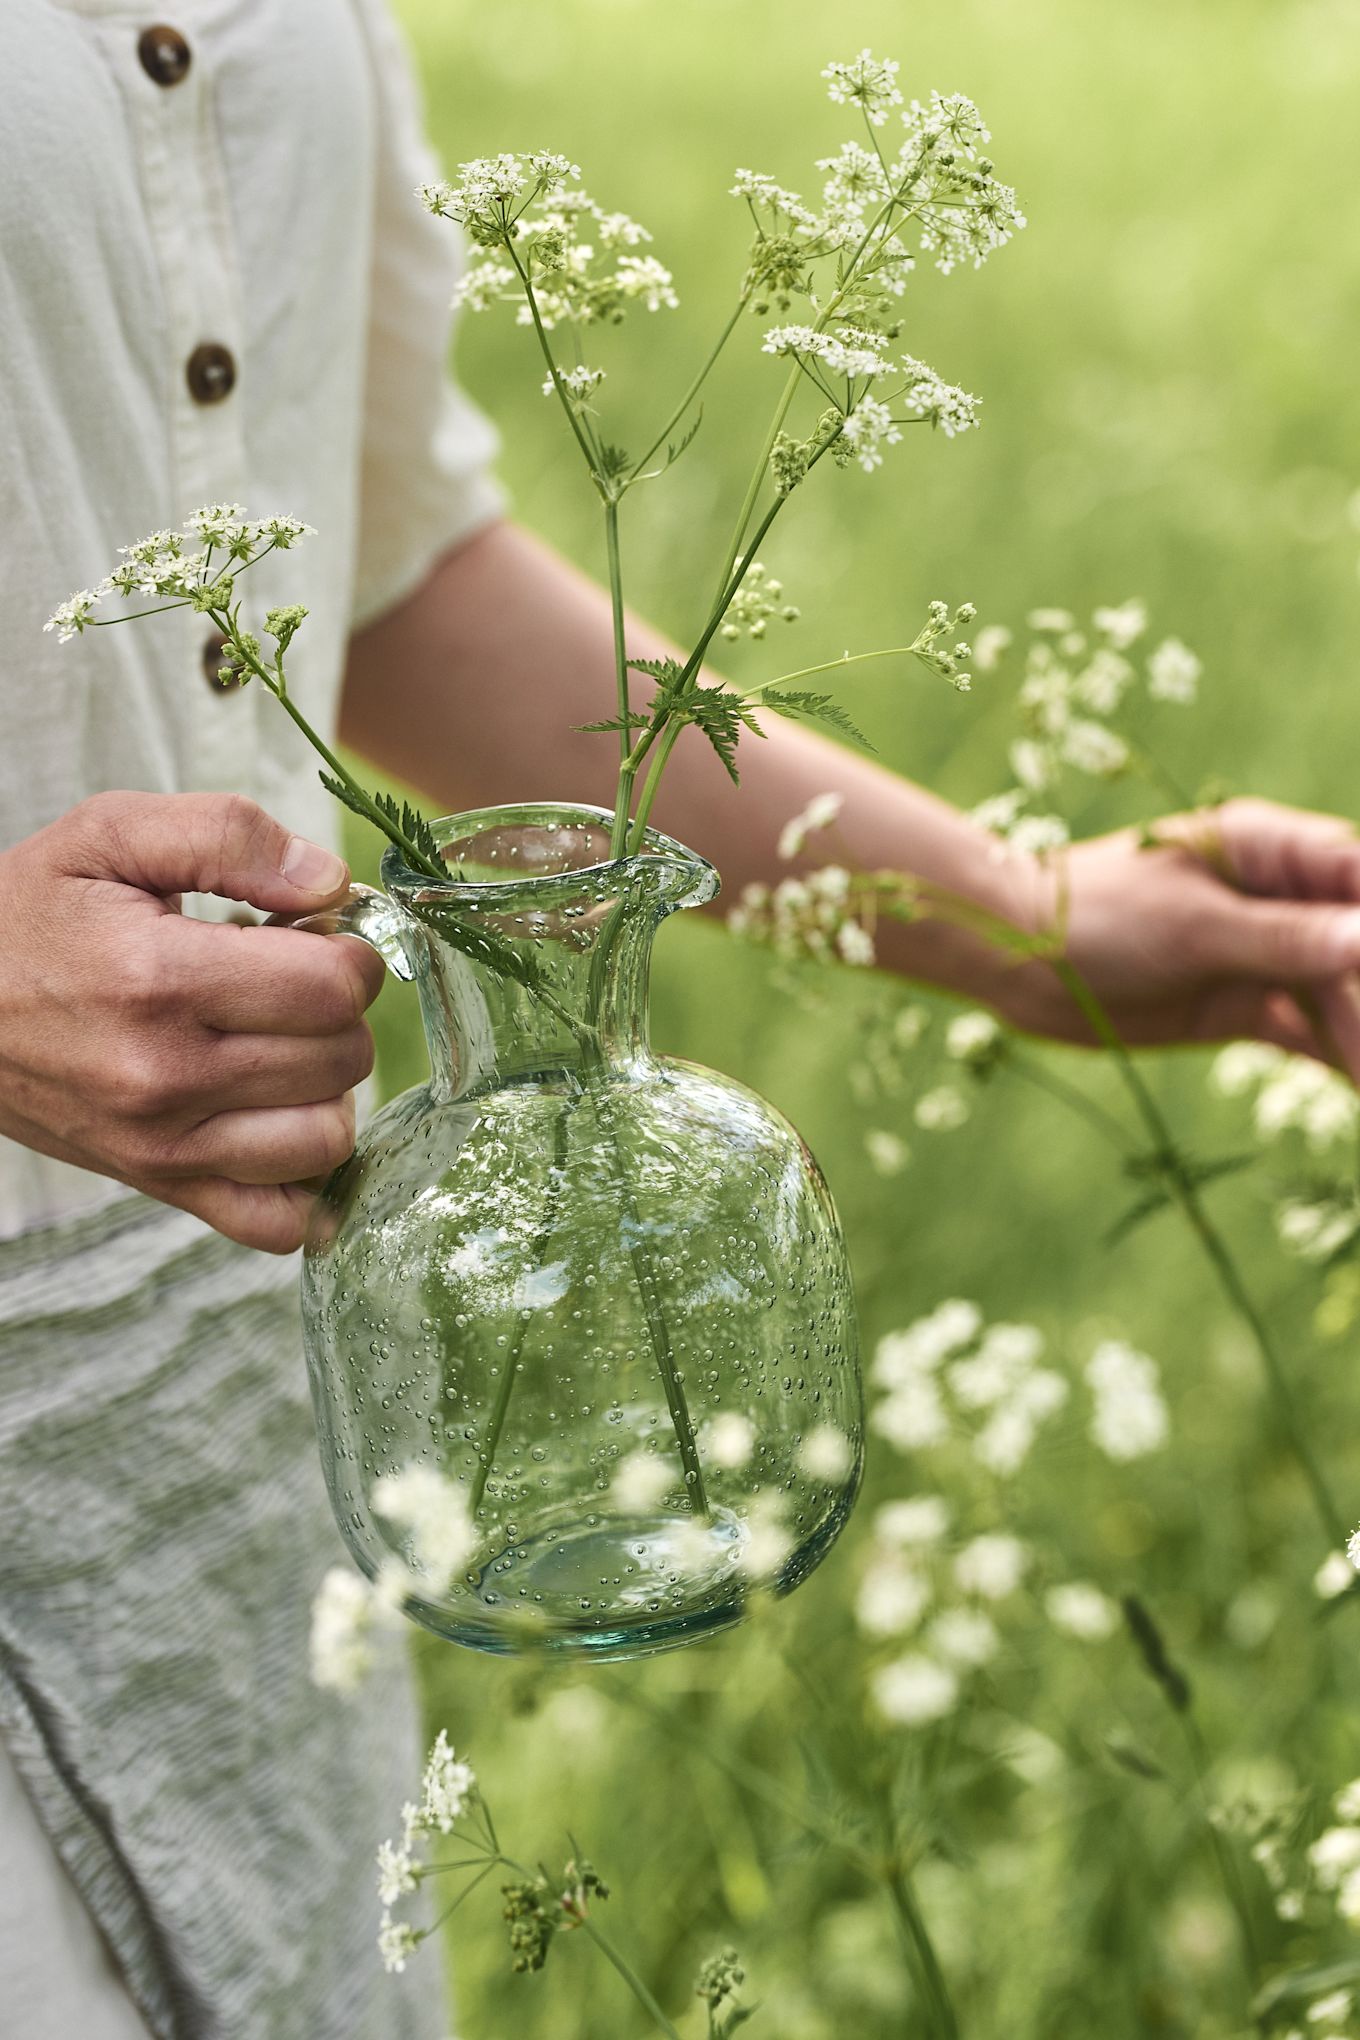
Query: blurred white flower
{"type": "Point", "coordinates": [1243, 1063]}
{"type": "Point", "coordinates": [1032, 764]}
{"type": "Point", "coordinates": [964, 1637]}
{"type": "Point", "coordinates": [912, 1416]}
{"type": "Point", "coordinates": [826, 1453]}
{"type": "Point", "coordinates": [1003, 1358]}
{"type": "Point", "coordinates": [1333, 1576]}
{"type": "Point", "coordinates": [768, 1541]}
{"type": "Point", "coordinates": [1347, 1802]}
{"type": "Point", "coordinates": [1093, 749]}
{"type": "Point", "coordinates": [1334, 1855]}
{"type": "Point", "coordinates": [1103, 682]}
{"type": "Point", "coordinates": [1124, 624]}
{"type": "Point", "coordinates": [1081, 1610]}
{"type": "Point", "coordinates": [923, 1519]}
{"type": "Point", "coordinates": [1129, 1416]}
{"type": "Point", "coordinates": [990, 646]}
{"type": "Point", "coordinates": [854, 944]}
{"type": "Point", "coordinates": [1038, 834]}
{"type": "Point", "coordinates": [1173, 672]}
{"type": "Point", "coordinates": [1051, 621]}
{"type": "Point", "coordinates": [900, 1356]}
{"type": "Point", "coordinates": [972, 1037]}
{"type": "Point", "coordinates": [941, 1110]}
{"type": "Point", "coordinates": [730, 1440]}
{"type": "Point", "coordinates": [888, 1153]}
{"type": "Point", "coordinates": [397, 1943]}
{"type": "Point", "coordinates": [991, 1566]}
{"type": "Point", "coordinates": [914, 1690]}
{"type": "Point", "coordinates": [1315, 1229]}
{"type": "Point", "coordinates": [639, 1482]}
{"type": "Point", "coordinates": [341, 1635]}
{"type": "Point", "coordinates": [820, 812]}
{"type": "Point", "coordinates": [434, 1512]}
{"type": "Point", "coordinates": [396, 1873]}
{"type": "Point", "coordinates": [892, 1596]}
{"type": "Point", "coordinates": [1293, 1092]}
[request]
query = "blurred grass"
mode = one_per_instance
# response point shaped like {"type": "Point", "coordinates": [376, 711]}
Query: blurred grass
{"type": "Point", "coordinates": [1167, 362]}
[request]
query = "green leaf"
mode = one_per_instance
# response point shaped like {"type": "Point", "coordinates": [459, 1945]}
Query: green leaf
{"type": "Point", "coordinates": [615, 722]}
{"type": "Point", "coordinates": [722, 717]}
{"type": "Point", "coordinates": [409, 827]}
{"type": "Point", "coordinates": [614, 462]}
{"type": "Point", "coordinates": [674, 451]}
{"type": "Point", "coordinates": [822, 708]}
{"type": "Point", "coordinates": [1298, 1985]}
{"type": "Point", "coordinates": [668, 671]}
{"type": "Point", "coordinates": [1132, 1760]}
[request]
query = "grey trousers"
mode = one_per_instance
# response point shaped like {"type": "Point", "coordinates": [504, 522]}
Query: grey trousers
{"type": "Point", "coordinates": [163, 1526]}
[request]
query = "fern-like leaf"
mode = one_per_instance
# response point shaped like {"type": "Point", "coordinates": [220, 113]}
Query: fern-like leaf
{"type": "Point", "coordinates": [818, 708]}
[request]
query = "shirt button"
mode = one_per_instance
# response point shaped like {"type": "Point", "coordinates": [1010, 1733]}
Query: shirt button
{"type": "Point", "coordinates": [210, 372]}
{"type": "Point", "coordinates": [165, 55]}
{"type": "Point", "coordinates": [214, 659]}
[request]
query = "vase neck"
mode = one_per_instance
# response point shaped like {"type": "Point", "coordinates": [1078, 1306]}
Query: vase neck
{"type": "Point", "coordinates": [539, 953]}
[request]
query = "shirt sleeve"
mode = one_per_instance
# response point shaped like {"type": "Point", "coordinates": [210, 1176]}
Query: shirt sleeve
{"type": "Point", "coordinates": [426, 479]}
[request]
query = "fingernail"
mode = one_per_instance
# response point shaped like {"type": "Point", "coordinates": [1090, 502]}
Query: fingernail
{"type": "Point", "coordinates": [312, 869]}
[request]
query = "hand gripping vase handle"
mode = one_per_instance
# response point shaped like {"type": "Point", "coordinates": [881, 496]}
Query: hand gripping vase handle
{"type": "Point", "coordinates": [375, 918]}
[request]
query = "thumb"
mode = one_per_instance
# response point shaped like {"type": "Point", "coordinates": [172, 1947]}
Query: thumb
{"type": "Point", "coordinates": [203, 842]}
{"type": "Point", "coordinates": [1288, 941]}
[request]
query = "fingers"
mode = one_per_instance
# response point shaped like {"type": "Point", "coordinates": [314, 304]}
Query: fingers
{"type": "Point", "coordinates": [269, 1147]}
{"type": "Point", "coordinates": [1281, 941]}
{"type": "Point", "coordinates": [260, 1070]}
{"type": "Point", "coordinates": [271, 1218]}
{"type": "Point", "coordinates": [1289, 852]}
{"type": "Point", "coordinates": [1339, 1011]}
{"type": "Point", "coordinates": [201, 842]}
{"type": "Point", "coordinates": [272, 980]}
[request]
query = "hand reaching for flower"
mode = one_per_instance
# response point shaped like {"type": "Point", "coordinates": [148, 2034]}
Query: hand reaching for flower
{"type": "Point", "coordinates": [1242, 921]}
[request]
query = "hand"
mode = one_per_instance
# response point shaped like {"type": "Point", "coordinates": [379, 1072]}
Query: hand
{"type": "Point", "coordinates": [1246, 924]}
{"type": "Point", "coordinates": [208, 1066]}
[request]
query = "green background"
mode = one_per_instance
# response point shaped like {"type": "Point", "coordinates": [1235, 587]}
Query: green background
{"type": "Point", "coordinates": [1166, 358]}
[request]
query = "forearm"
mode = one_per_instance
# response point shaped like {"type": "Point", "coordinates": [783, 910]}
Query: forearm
{"type": "Point", "coordinates": [472, 691]}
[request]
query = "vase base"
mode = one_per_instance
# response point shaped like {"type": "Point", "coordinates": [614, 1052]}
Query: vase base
{"type": "Point", "coordinates": [609, 1587]}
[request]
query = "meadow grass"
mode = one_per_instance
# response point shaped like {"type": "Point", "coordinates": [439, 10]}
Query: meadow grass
{"type": "Point", "coordinates": [1166, 358]}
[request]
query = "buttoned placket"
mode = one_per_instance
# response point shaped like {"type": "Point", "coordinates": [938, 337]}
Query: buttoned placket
{"type": "Point", "coordinates": [206, 376]}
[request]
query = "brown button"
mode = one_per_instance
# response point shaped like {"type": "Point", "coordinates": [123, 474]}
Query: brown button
{"type": "Point", "coordinates": [164, 53]}
{"type": "Point", "coordinates": [215, 660]}
{"type": "Point", "coordinates": [210, 372]}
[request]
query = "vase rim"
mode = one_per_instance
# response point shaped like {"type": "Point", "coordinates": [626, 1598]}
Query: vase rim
{"type": "Point", "coordinates": [695, 879]}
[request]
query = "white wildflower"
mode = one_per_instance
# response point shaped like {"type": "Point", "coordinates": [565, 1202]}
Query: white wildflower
{"type": "Point", "coordinates": [1093, 749]}
{"type": "Point", "coordinates": [859, 359]}
{"type": "Point", "coordinates": [854, 945]}
{"type": "Point", "coordinates": [1129, 1417]}
{"type": "Point", "coordinates": [1335, 2005]}
{"type": "Point", "coordinates": [434, 1512]}
{"type": "Point", "coordinates": [1081, 1610]}
{"type": "Point", "coordinates": [397, 1943]}
{"type": "Point", "coordinates": [1334, 1854]}
{"type": "Point", "coordinates": [892, 1597]}
{"type": "Point", "coordinates": [868, 429]}
{"type": "Point", "coordinates": [991, 1566]}
{"type": "Point", "coordinates": [928, 396]}
{"type": "Point", "coordinates": [990, 646]}
{"type": "Point", "coordinates": [1032, 764]}
{"type": "Point", "coordinates": [1051, 621]}
{"type": "Point", "coordinates": [1037, 835]}
{"type": "Point", "coordinates": [826, 1453]}
{"type": "Point", "coordinates": [941, 1110]}
{"type": "Point", "coordinates": [396, 1872]}
{"type": "Point", "coordinates": [972, 1038]}
{"type": "Point", "coordinates": [445, 1787]}
{"type": "Point", "coordinates": [914, 1690]}
{"type": "Point", "coordinates": [913, 1416]}
{"type": "Point", "coordinates": [821, 811]}
{"type": "Point", "coordinates": [768, 1542]}
{"type": "Point", "coordinates": [1173, 672]}
{"type": "Point", "coordinates": [868, 82]}
{"type": "Point", "coordinates": [900, 1356]}
{"type": "Point", "coordinates": [580, 384]}
{"type": "Point", "coordinates": [341, 1649]}
{"type": "Point", "coordinates": [888, 1153]}
{"type": "Point", "coordinates": [730, 1440]}
{"type": "Point", "coordinates": [1003, 1359]}
{"type": "Point", "coordinates": [1334, 1576]}
{"type": "Point", "coordinates": [1241, 1065]}
{"type": "Point", "coordinates": [1314, 1231]}
{"type": "Point", "coordinates": [1301, 1094]}
{"type": "Point", "coordinates": [643, 277]}
{"type": "Point", "coordinates": [1122, 625]}
{"type": "Point", "coordinates": [1353, 1554]}
{"type": "Point", "coordinates": [1102, 684]}
{"type": "Point", "coordinates": [964, 1638]}
{"type": "Point", "coordinates": [1347, 1803]}
{"type": "Point", "coordinates": [69, 618]}
{"type": "Point", "coordinates": [922, 1519]}
{"type": "Point", "coordinates": [639, 1483]}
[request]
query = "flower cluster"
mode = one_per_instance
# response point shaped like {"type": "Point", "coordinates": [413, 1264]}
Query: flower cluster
{"type": "Point", "coordinates": [434, 1513]}
{"type": "Point", "coordinates": [578, 260]}
{"type": "Point", "coordinates": [950, 1371]}
{"type": "Point", "coordinates": [1291, 1093]}
{"type": "Point", "coordinates": [448, 1792]}
{"type": "Point", "coordinates": [759, 598]}
{"type": "Point", "coordinates": [194, 566]}
{"type": "Point", "coordinates": [1129, 1417]}
{"type": "Point", "coordinates": [1076, 682]}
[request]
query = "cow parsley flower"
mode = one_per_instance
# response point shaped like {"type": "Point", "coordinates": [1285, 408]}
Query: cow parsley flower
{"type": "Point", "coordinates": [1081, 1610]}
{"type": "Point", "coordinates": [341, 1649]}
{"type": "Point", "coordinates": [991, 1566]}
{"type": "Point", "coordinates": [396, 1872]}
{"type": "Point", "coordinates": [941, 1110]}
{"type": "Point", "coordinates": [856, 358]}
{"type": "Point", "coordinates": [973, 1039]}
{"type": "Point", "coordinates": [887, 1151]}
{"type": "Point", "coordinates": [892, 1596]}
{"type": "Point", "coordinates": [398, 1941]}
{"type": "Point", "coordinates": [867, 430]}
{"type": "Point", "coordinates": [1129, 1417]}
{"type": "Point", "coordinates": [768, 1541]}
{"type": "Point", "coordinates": [922, 1519]}
{"type": "Point", "coordinates": [928, 396]}
{"type": "Point", "coordinates": [446, 1786]}
{"type": "Point", "coordinates": [964, 1638]}
{"type": "Point", "coordinates": [639, 1483]}
{"type": "Point", "coordinates": [826, 1453]}
{"type": "Point", "coordinates": [912, 1416]}
{"type": "Point", "coordinates": [730, 1440]}
{"type": "Point", "coordinates": [821, 811]}
{"type": "Point", "coordinates": [914, 1690]}
{"type": "Point", "coordinates": [434, 1512]}
{"type": "Point", "coordinates": [580, 384]}
{"type": "Point", "coordinates": [1173, 672]}
{"type": "Point", "coordinates": [1122, 624]}
{"type": "Point", "coordinates": [868, 82]}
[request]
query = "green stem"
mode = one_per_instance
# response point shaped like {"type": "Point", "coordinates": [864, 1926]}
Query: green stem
{"type": "Point", "coordinates": [940, 2010]}
{"type": "Point", "coordinates": [1186, 1193]}
{"type": "Point", "coordinates": [553, 370]}
{"type": "Point", "coordinates": [1229, 1868]}
{"type": "Point", "coordinates": [692, 392]}
{"type": "Point", "coordinates": [1075, 1099]}
{"type": "Point", "coordinates": [831, 666]}
{"type": "Point", "coordinates": [630, 1977]}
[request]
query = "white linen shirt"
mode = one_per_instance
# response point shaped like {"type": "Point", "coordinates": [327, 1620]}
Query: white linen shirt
{"type": "Point", "coordinates": [263, 202]}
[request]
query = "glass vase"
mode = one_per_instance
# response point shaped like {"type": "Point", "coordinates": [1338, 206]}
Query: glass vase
{"type": "Point", "coordinates": [578, 1317]}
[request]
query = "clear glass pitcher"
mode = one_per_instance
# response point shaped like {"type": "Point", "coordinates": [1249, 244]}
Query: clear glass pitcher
{"type": "Point", "coordinates": [578, 1317]}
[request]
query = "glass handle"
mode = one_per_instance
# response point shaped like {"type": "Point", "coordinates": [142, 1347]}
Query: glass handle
{"type": "Point", "coordinates": [374, 918]}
